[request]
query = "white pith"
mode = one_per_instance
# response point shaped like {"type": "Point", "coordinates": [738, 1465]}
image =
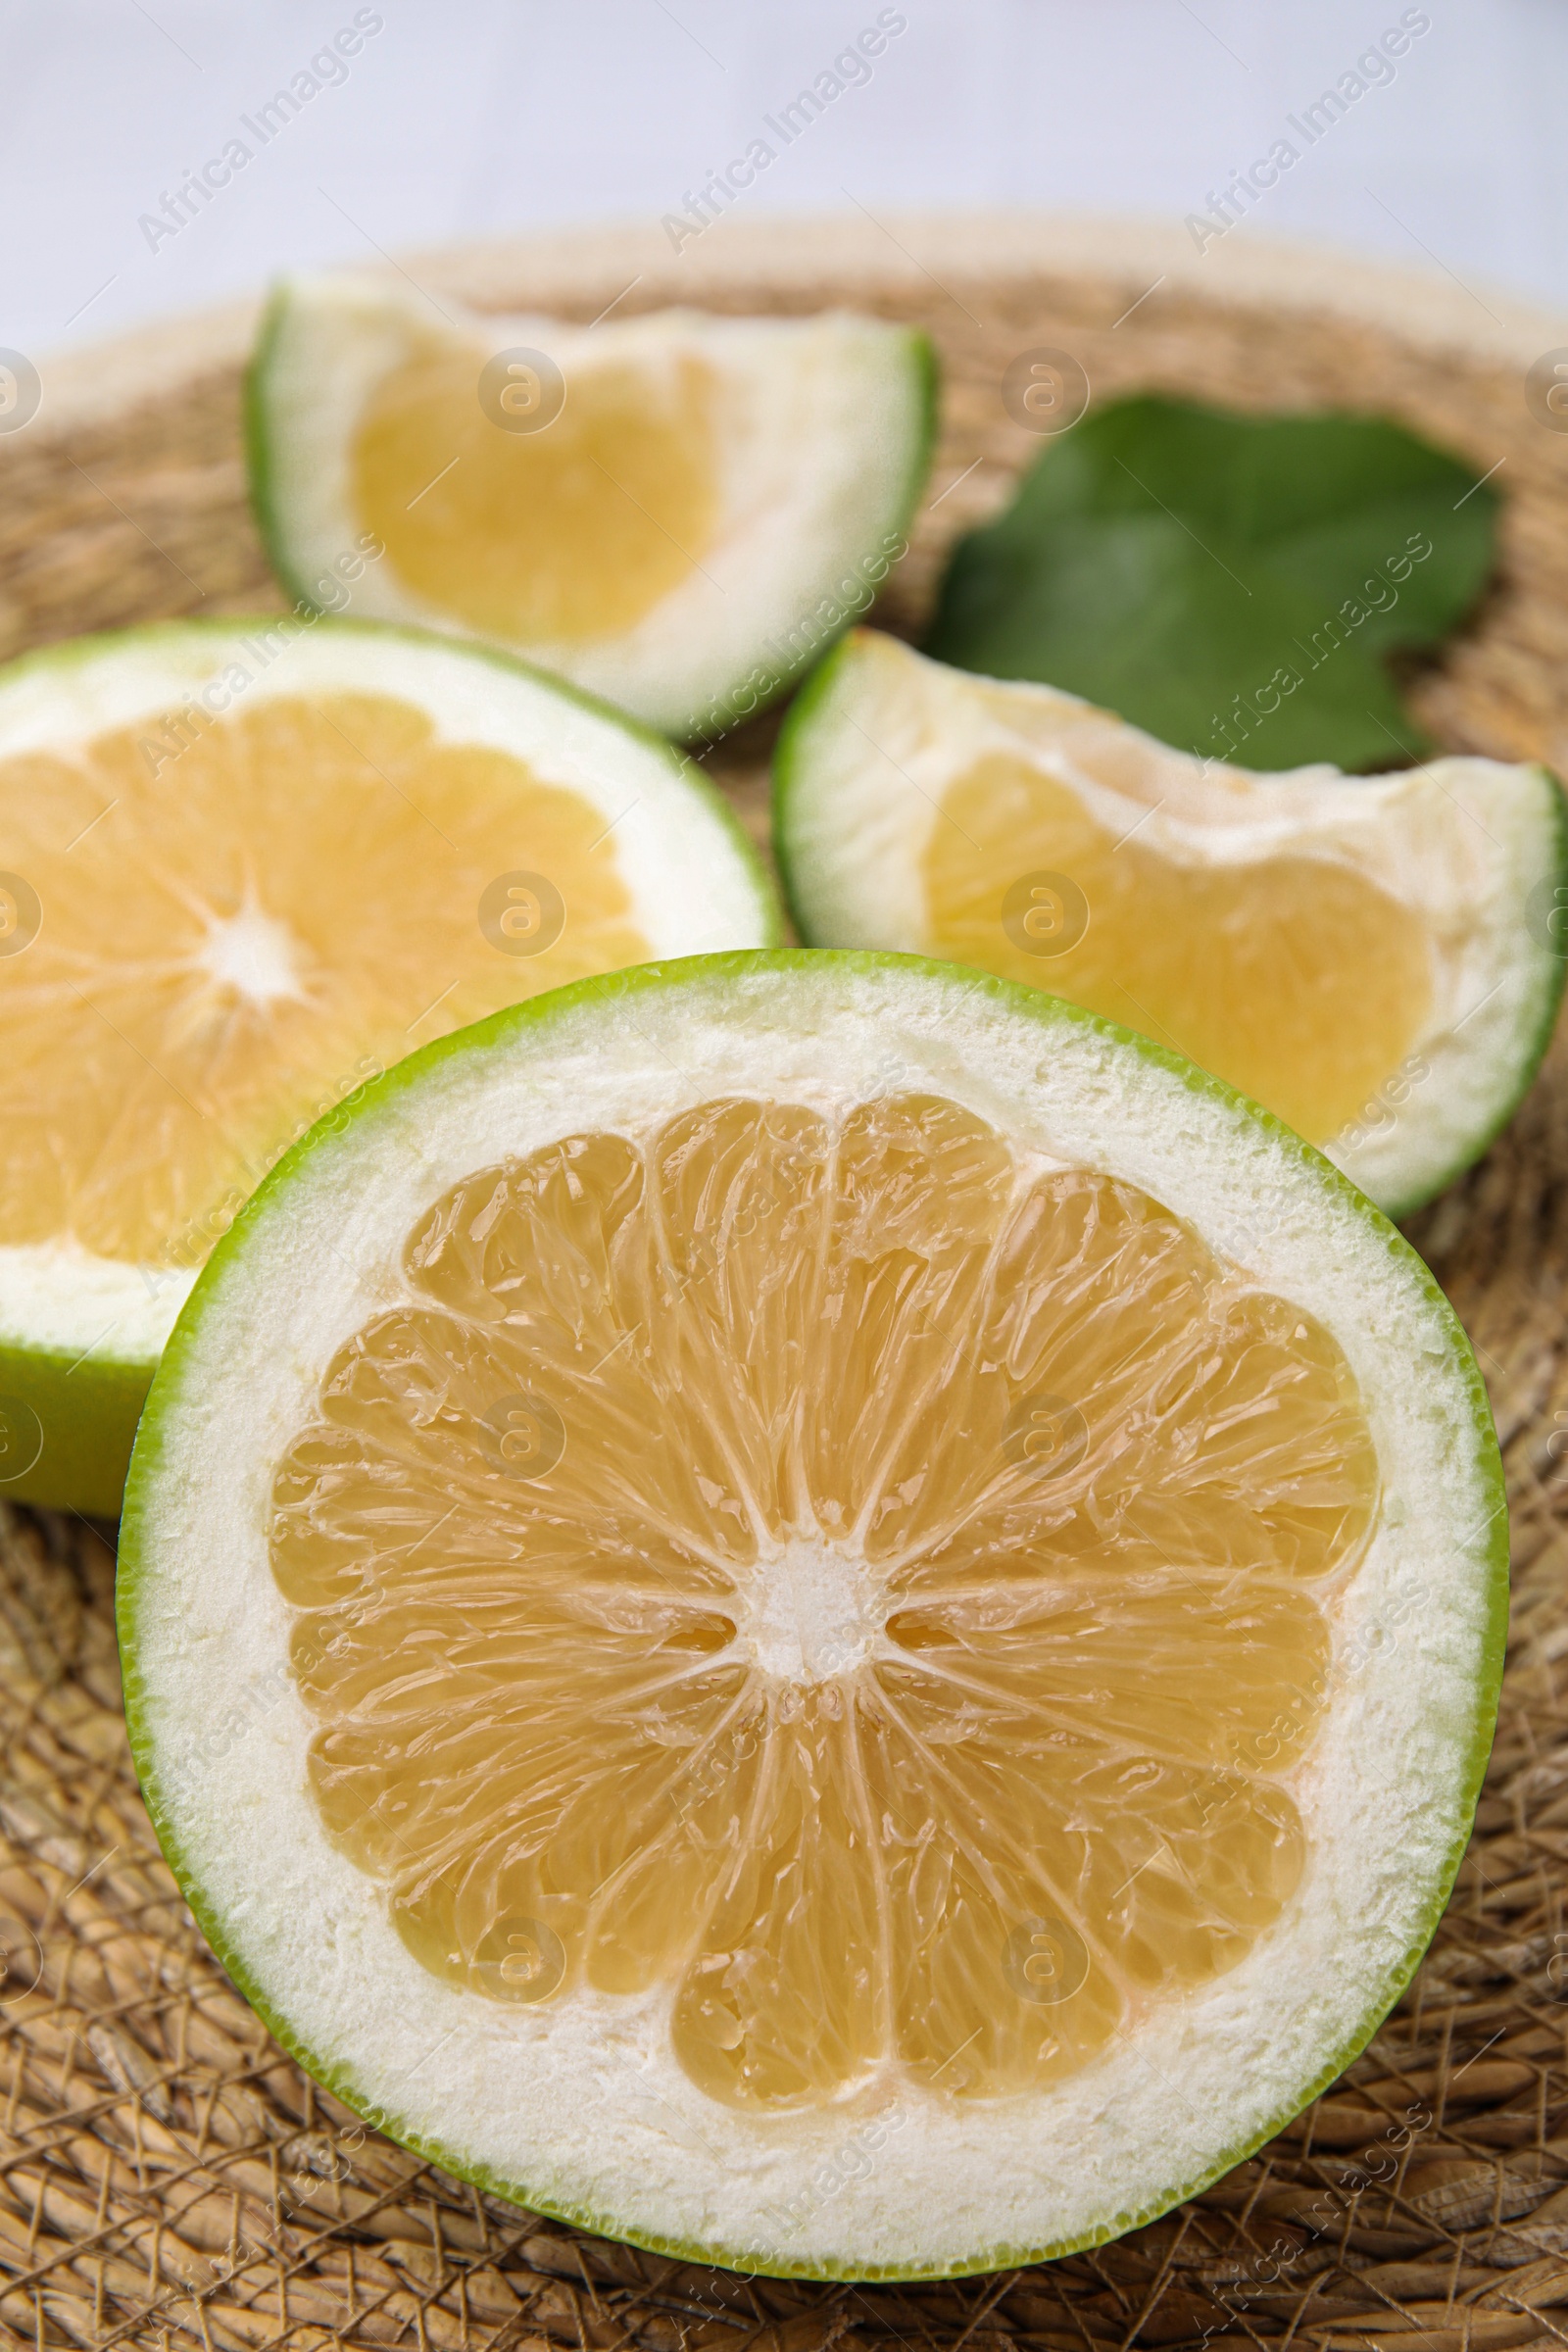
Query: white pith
{"type": "Point", "coordinates": [691, 886]}
{"type": "Point", "coordinates": [810, 1612]}
{"type": "Point", "coordinates": [1461, 840]}
{"type": "Point", "coordinates": [579, 2104]}
{"type": "Point", "coordinates": [818, 423]}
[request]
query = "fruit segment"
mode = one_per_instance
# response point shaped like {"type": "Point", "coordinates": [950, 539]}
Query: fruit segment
{"type": "Point", "coordinates": [676, 509]}
{"type": "Point", "coordinates": [1294, 977]}
{"type": "Point", "coordinates": [567, 534]}
{"type": "Point", "coordinates": [240, 921]}
{"type": "Point", "coordinates": [832, 1572]}
{"type": "Point", "coordinates": [1366, 956]}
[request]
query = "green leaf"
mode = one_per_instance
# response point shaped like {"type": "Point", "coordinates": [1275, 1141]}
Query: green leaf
{"type": "Point", "coordinates": [1232, 584]}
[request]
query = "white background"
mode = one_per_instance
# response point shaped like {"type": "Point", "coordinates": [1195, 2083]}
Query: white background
{"type": "Point", "coordinates": [467, 117]}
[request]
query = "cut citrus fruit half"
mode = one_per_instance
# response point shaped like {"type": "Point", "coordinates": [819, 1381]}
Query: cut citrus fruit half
{"type": "Point", "coordinates": [244, 866]}
{"type": "Point", "coordinates": [854, 1631]}
{"type": "Point", "coordinates": [1378, 959]}
{"type": "Point", "coordinates": [678, 511]}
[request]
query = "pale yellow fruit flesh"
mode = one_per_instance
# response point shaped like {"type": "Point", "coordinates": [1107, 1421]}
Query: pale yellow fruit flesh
{"type": "Point", "coordinates": [876, 1589]}
{"type": "Point", "coordinates": [236, 933]}
{"type": "Point", "coordinates": [565, 534]}
{"type": "Point", "coordinates": [1294, 977]}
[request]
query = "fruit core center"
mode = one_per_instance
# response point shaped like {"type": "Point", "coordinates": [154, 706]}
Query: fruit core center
{"type": "Point", "coordinates": [811, 1610]}
{"type": "Point", "coordinates": [253, 953]}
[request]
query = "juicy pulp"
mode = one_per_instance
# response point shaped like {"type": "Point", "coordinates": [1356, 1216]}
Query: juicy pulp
{"type": "Point", "coordinates": [242, 920]}
{"type": "Point", "coordinates": [870, 1587]}
{"type": "Point", "coordinates": [569, 533]}
{"type": "Point", "coordinates": [1294, 977]}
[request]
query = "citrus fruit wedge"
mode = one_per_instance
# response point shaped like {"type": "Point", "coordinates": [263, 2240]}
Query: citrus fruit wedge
{"type": "Point", "coordinates": [1378, 959]}
{"type": "Point", "coordinates": [678, 511]}
{"type": "Point", "coordinates": [847, 1625]}
{"type": "Point", "coordinates": [244, 866]}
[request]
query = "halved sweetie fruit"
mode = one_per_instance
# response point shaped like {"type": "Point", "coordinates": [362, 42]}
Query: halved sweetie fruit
{"type": "Point", "coordinates": [850, 1628]}
{"type": "Point", "coordinates": [1378, 959]}
{"type": "Point", "coordinates": [244, 866]}
{"type": "Point", "coordinates": [679, 511]}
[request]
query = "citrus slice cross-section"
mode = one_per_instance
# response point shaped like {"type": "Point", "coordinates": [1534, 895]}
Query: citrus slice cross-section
{"type": "Point", "coordinates": [1377, 960]}
{"type": "Point", "coordinates": [846, 1552]}
{"type": "Point", "coordinates": [245, 867]}
{"type": "Point", "coordinates": [678, 511]}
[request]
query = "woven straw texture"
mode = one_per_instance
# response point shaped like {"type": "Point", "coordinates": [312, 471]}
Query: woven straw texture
{"type": "Point", "coordinates": [168, 2177]}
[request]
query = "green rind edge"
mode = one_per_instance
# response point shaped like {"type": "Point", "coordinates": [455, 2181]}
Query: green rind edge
{"type": "Point", "coordinates": [1553, 970]}
{"type": "Point", "coordinates": [791, 758]}
{"type": "Point", "coordinates": [254, 421]}
{"type": "Point", "coordinates": [1029, 1003]}
{"type": "Point", "coordinates": [88, 1427]}
{"type": "Point", "coordinates": [260, 435]}
{"type": "Point", "coordinates": [785, 776]}
{"type": "Point", "coordinates": [78, 1468]}
{"type": "Point", "coordinates": [926, 369]}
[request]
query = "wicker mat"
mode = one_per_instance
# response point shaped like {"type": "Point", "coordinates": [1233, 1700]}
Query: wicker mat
{"type": "Point", "coordinates": [167, 2175]}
